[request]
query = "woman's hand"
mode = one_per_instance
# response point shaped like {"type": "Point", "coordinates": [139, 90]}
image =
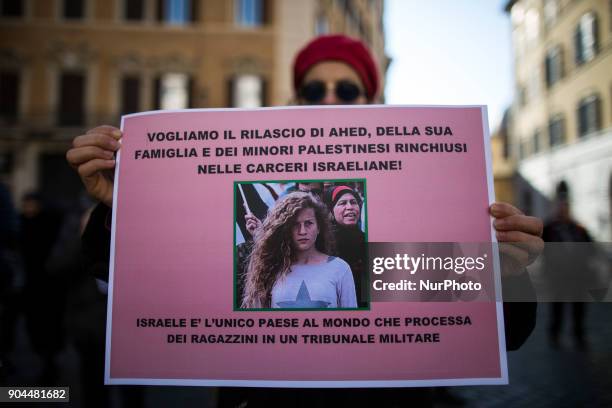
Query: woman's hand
{"type": "Point", "coordinates": [521, 232]}
{"type": "Point", "coordinates": [93, 156]}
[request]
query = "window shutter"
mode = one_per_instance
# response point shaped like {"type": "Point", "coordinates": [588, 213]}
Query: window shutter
{"type": "Point", "coordinates": [550, 133]}
{"type": "Point", "coordinates": [266, 10]}
{"type": "Point", "coordinates": [578, 45]}
{"type": "Point", "coordinates": [231, 84]}
{"type": "Point", "coordinates": [71, 99]}
{"type": "Point", "coordinates": [595, 33]}
{"type": "Point", "coordinates": [191, 92]}
{"type": "Point", "coordinates": [548, 68]}
{"type": "Point", "coordinates": [582, 119]}
{"type": "Point", "coordinates": [74, 9]}
{"type": "Point", "coordinates": [264, 92]}
{"type": "Point", "coordinates": [157, 93]}
{"type": "Point", "coordinates": [556, 130]}
{"type": "Point", "coordinates": [133, 10]}
{"type": "Point", "coordinates": [561, 60]}
{"type": "Point", "coordinates": [160, 10]}
{"type": "Point", "coordinates": [11, 8]}
{"type": "Point", "coordinates": [562, 130]}
{"type": "Point", "coordinates": [130, 95]}
{"type": "Point", "coordinates": [9, 97]}
{"type": "Point", "coordinates": [597, 108]}
{"type": "Point", "coordinates": [194, 10]}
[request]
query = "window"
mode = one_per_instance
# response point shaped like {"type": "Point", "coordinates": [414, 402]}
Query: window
{"type": "Point", "coordinates": [11, 8]}
{"type": "Point", "coordinates": [585, 38]}
{"type": "Point", "coordinates": [176, 12]}
{"type": "Point", "coordinates": [249, 13]}
{"type": "Point", "coordinates": [173, 91]}
{"type": "Point", "coordinates": [554, 65]}
{"type": "Point", "coordinates": [73, 9]}
{"type": "Point", "coordinates": [130, 94]}
{"type": "Point", "coordinates": [556, 130]}
{"type": "Point", "coordinates": [133, 10]}
{"type": "Point", "coordinates": [9, 97]}
{"type": "Point", "coordinates": [247, 91]}
{"type": "Point", "coordinates": [71, 99]}
{"type": "Point", "coordinates": [589, 115]}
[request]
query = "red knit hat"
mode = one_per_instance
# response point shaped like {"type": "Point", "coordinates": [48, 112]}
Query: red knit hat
{"type": "Point", "coordinates": [337, 48]}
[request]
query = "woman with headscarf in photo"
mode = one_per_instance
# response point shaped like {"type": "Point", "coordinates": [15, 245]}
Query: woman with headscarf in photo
{"type": "Point", "coordinates": [290, 266]}
{"type": "Point", "coordinates": [345, 205]}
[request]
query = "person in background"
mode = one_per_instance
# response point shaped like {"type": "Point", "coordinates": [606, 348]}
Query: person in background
{"type": "Point", "coordinates": [44, 292]}
{"type": "Point", "coordinates": [330, 70]}
{"type": "Point", "coordinates": [9, 292]}
{"type": "Point", "coordinates": [566, 263]}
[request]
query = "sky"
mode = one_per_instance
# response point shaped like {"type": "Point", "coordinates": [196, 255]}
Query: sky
{"type": "Point", "coordinates": [449, 52]}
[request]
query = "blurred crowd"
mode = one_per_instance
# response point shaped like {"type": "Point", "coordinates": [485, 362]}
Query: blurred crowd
{"type": "Point", "coordinates": [46, 301]}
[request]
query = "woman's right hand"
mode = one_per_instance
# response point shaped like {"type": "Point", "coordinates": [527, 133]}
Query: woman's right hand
{"type": "Point", "coordinates": [93, 156]}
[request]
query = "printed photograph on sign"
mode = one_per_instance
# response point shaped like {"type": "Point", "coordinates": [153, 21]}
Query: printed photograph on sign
{"type": "Point", "coordinates": [300, 245]}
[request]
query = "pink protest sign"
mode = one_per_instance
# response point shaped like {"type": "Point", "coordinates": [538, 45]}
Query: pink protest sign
{"type": "Point", "coordinates": [239, 248]}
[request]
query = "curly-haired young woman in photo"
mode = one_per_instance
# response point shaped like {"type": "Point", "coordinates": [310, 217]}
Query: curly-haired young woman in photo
{"type": "Point", "coordinates": [290, 266]}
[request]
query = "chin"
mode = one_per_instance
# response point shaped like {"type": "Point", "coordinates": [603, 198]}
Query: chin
{"type": "Point", "coordinates": [303, 247]}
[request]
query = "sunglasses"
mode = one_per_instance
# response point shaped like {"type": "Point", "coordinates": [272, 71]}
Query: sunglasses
{"type": "Point", "coordinates": [314, 92]}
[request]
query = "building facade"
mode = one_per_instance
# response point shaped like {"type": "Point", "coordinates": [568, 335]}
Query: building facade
{"type": "Point", "coordinates": [69, 65]}
{"type": "Point", "coordinates": [561, 126]}
{"type": "Point", "coordinates": [504, 166]}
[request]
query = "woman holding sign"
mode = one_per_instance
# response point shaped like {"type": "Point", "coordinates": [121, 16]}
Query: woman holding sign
{"type": "Point", "coordinates": [290, 266]}
{"type": "Point", "coordinates": [331, 70]}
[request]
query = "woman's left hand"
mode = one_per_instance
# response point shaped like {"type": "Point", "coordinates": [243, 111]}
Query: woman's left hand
{"type": "Point", "coordinates": [521, 232]}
